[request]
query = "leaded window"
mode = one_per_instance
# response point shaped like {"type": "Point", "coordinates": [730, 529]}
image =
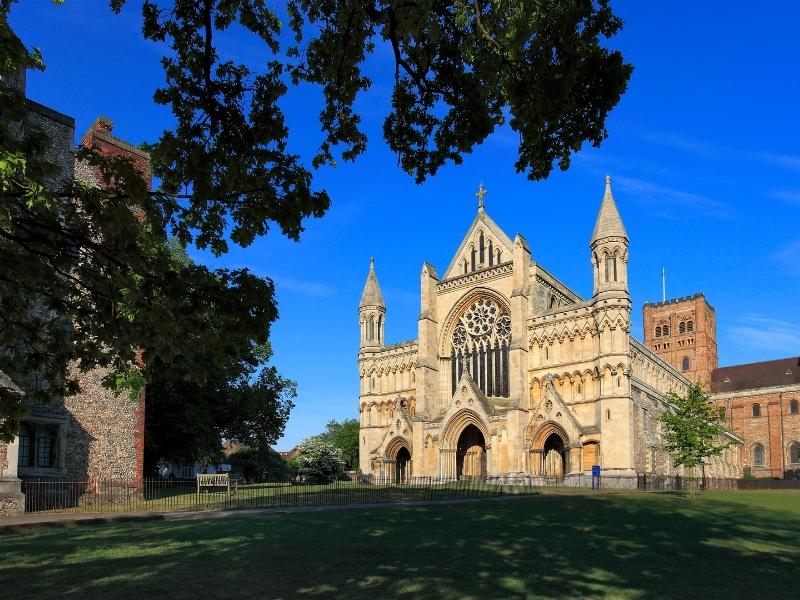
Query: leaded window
{"type": "Point", "coordinates": [794, 453]}
{"type": "Point", "coordinates": [479, 346]}
{"type": "Point", "coordinates": [758, 455]}
{"type": "Point", "coordinates": [45, 448]}
{"type": "Point", "coordinates": [25, 447]}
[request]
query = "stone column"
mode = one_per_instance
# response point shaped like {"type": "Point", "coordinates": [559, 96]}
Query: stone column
{"type": "Point", "coordinates": [12, 500]}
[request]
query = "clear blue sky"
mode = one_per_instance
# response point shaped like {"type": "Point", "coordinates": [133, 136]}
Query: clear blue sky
{"type": "Point", "coordinates": [703, 150]}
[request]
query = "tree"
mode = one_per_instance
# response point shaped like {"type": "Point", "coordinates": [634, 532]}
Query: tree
{"type": "Point", "coordinates": [317, 460]}
{"type": "Point", "coordinates": [344, 436]}
{"type": "Point", "coordinates": [219, 385]}
{"type": "Point", "coordinates": [260, 464]}
{"type": "Point", "coordinates": [94, 260]}
{"type": "Point", "coordinates": [692, 428]}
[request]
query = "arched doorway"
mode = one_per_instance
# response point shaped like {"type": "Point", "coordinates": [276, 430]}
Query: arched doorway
{"type": "Point", "coordinates": [402, 462]}
{"type": "Point", "coordinates": [554, 456]}
{"type": "Point", "coordinates": [471, 453]}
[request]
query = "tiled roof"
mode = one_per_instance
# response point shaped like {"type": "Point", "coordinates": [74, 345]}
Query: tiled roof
{"type": "Point", "coordinates": [770, 373]}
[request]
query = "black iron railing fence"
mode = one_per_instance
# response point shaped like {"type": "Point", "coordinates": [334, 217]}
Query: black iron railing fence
{"type": "Point", "coordinates": [158, 495]}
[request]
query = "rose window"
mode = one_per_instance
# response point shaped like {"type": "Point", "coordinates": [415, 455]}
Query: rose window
{"type": "Point", "coordinates": [480, 348]}
{"type": "Point", "coordinates": [480, 317]}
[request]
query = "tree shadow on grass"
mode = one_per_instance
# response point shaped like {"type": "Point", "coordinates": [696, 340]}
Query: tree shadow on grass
{"type": "Point", "coordinates": [610, 545]}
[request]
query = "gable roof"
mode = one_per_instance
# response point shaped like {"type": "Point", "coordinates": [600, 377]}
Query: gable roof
{"type": "Point", "coordinates": [481, 220]}
{"type": "Point", "coordinates": [770, 373]}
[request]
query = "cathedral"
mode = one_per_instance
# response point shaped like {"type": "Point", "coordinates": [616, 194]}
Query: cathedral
{"type": "Point", "coordinates": [513, 376]}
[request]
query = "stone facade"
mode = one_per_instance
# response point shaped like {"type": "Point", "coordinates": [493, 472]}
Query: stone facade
{"type": "Point", "coordinates": [760, 401]}
{"type": "Point", "coordinates": [513, 375]}
{"type": "Point", "coordinates": [94, 434]}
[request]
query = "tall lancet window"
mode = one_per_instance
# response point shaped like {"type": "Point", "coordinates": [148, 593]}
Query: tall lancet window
{"type": "Point", "coordinates": [491, 254]}
{"type": "Point", "coordinates": [610, 267]}
{"type": "Point", "coordinates": [481, 248]}
{"type": "Point", "coordinates": [479, 347]}
{"type": "Point", "coordinates": [371, 330]}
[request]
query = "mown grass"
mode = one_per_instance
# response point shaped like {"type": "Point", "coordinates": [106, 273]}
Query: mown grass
{"type": "Point", "coordinates": [624, 545]}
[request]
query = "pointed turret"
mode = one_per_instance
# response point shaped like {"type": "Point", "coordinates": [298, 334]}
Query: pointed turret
{"type": "Point", "coordinates": [372, 310]}
{"type": "Point", "coordinates": [372, 295]}
{"type": "Point", "coordinates": [609, 247]}
{"type": "Point", "coordinates": [609, 223]}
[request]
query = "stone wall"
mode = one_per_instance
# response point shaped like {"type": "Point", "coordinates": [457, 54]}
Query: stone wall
{"type": "Point", "coordinates": [60, 130]}
{"type": "Point", "coordinates": [11, 504]}
{"type": "Point", "coordinates": [3, 458]}
{"type": "Point", "coordinates": [776, 429]}
{"type": "Point", "coordinates": [105, 437]}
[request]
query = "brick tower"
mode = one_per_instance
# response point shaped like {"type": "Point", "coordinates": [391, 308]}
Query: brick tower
{"type": "Point", "coordinates": [683, 333]}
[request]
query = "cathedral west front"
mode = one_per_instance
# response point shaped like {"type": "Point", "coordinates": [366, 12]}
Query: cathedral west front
{"type": "Point", "coordinates": [513, 376]}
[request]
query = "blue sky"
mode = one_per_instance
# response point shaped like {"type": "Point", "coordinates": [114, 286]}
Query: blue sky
{"type": "Point", "coordinates": [702, 150]}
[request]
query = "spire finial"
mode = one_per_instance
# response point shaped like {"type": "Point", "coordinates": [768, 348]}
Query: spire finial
{"type": "Point", "coordinates": [480, 195]}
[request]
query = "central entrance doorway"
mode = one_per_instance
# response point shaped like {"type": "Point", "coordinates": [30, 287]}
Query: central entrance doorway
{"type": "Point", "coordinates": [401, 465]}
{"type": "Point", "coordinates": [554, 456]}
{"type": "Point", "coordinates": [471, 454]}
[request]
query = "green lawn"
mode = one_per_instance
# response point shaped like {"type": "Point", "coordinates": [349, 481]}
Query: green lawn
{"type": "Point", "coordinates": [626, 545]}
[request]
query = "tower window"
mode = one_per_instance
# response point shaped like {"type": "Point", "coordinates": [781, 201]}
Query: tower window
{"type": "Point", "coordinates": [665, 330]}
{"type": "Point", "coordinates": [756, 410]}
{"type": "Point", "coordinates": [658, 330]}
{"type": "Point", "coordinates": [758, 455]}
{"type": "Point", "coordinates": [794, 407]}
{"type": "Point", "coordinates": [615, 267]}
{"type": "Point", "coordinates": [685, 364]}
{"type": "Point", "coordinates": [609, 261]}
{"type": "Point", "coordinates": [690, 326]}
{"type": "Point", "coordinates": [682, 327]}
